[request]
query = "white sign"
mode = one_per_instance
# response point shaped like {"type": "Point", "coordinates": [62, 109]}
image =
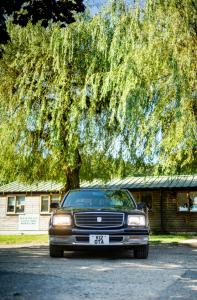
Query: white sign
{"type": "Point", "coordinates": [28, 222]}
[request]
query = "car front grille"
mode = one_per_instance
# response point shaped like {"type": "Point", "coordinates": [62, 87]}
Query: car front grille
{"type": "Point", "coordinates": [98, 219]}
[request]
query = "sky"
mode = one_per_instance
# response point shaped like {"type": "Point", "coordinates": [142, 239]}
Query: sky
{"type": "Point", "coordinates": [95, 5]}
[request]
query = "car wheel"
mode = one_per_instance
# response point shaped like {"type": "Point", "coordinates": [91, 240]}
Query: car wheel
{"type": "Point", "coordinates": [141, 251]}
{"type": "Point", "coordinates": [55, 251]}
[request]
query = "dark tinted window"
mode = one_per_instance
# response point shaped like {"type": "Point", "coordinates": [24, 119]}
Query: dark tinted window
{"type": "Point", "coordinates": [99, 199]}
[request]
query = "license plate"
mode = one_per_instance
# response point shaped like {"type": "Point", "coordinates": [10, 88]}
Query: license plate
{"type": "Point", "coordinates": [99, 239]}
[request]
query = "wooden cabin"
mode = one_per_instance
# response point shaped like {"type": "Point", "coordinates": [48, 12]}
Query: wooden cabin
{"type": "Point", "coordinates": [171, 202]}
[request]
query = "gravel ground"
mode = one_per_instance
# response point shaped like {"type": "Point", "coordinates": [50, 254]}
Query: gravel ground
{"type": "Point", "coordinates": [170, 272]}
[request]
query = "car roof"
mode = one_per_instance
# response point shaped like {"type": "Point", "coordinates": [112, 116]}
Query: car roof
{"type": "Point", "coordinates": [98, 189]}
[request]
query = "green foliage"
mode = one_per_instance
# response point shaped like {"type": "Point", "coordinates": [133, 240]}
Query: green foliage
{"type": "Point", "coordinates": [120, 83]}
{"type": "Point", "coordinates": [171, 238]}
{"type": "Point", "coordinates": [44, 11]}
{"type": "Point", "coordinates": [24, 239]}
{"type": "Point", "coordinates": [99, 165]}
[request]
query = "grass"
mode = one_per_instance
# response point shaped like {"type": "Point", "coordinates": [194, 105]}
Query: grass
{"type": "Point", "coordinates": [41, 239]}
{"type": "Point", "coordinates": [23, 239]}
{"type": "Point", "coordinates": [170, 238]}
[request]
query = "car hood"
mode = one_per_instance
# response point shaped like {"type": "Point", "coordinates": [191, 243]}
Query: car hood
{"type": "Point", "coordinates": [66, 210]}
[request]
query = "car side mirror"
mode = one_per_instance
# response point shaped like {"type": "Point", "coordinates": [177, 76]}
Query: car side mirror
{"type": "Point", "coordinates": [141, 205]}
{"type": "Point", "coordinates": [54, 205]}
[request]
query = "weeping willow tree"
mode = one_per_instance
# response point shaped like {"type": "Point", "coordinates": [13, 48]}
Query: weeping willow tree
{"type": "Point", "coordinates": [120, 83]}
{"type": "Point", "coordinates": [47, 127]}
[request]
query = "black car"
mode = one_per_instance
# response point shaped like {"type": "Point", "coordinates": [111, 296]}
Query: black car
{"type": "Point", "coordinates": [89, 218]}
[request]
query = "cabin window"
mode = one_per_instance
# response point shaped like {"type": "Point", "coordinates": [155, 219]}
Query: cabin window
{"type": "Point", "coordinates": [16, 204]}
{"type": "Point", "coordinates": [145, 197]}
{"type": "Point", "coordinates": [46, 200]}
{"type": "Point", "coordinates": [187, 201]}
{"type": "Point", "coordinates": [45, 204]}
{"type": "Point", "coordinates": [55, 199]}
{"type": "Point", "coordinates": [11, 205]}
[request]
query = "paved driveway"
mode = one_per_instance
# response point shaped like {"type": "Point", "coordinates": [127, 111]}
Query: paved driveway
{"type": "Point", "coordinates": [170, 272]}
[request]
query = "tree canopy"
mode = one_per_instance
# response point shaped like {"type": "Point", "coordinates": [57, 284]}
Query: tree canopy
{"type": "Point", "coordinates": [120, 83]}
{"type": "Point", "coordinates": [24, 11]}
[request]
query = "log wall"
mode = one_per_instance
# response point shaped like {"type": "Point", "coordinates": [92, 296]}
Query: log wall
{"type": "Point", "coordinates": [173, 220]}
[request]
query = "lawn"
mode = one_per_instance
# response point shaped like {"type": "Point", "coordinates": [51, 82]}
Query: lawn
{"type": "Point", "coordinates": [170, 238]}
{"type": "Point", "coordinates": [43, 239]}
{"type": "Point", "coordinates": [23, 239]}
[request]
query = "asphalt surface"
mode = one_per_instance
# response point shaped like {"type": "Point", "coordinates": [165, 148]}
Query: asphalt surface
{"type": "Point", "coordinates": [170, 272]}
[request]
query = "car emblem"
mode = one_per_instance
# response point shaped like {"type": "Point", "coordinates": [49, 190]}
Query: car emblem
{"type": "Point", "coordinates": [99, 219]}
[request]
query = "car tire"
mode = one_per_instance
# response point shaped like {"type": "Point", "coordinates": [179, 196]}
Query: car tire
{"type": "Point", "coordinates": [55, 251]}
{"type": "Point", "coordinates": [141, 252]}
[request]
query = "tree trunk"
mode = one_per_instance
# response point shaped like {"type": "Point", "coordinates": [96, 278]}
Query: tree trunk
{"type": "Point", "coordinates": [72, 174]}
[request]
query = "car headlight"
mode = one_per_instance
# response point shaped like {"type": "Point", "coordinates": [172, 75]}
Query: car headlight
{"type": "Point", "coordinates": [62, 220]}
{"type": "Point", "coordinates": [136, 220]}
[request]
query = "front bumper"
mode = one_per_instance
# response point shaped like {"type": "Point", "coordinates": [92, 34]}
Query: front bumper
{"type": "Point", "coordinates": [75, 241]}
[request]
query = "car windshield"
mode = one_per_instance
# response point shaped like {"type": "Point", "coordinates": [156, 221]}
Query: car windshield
{"type": "Point", "coordinates": [99, 199]}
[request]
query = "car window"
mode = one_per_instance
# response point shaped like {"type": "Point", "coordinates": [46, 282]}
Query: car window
{"type": "Point", "coordinates": [99, 199]}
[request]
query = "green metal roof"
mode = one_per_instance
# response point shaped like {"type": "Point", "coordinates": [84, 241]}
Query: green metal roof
{"type": "Point", "coordinates": [148, 182]}
{"type": "Point", "coordinates": [18, 187]}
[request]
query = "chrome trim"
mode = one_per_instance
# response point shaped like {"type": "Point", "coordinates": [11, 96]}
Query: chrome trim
{"type": "Point", "coordinates": [101, 212]}
{"type": "Point", "coordinates": [128, 240]}
{"type": "Point", "coordinates": [97, 230]}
